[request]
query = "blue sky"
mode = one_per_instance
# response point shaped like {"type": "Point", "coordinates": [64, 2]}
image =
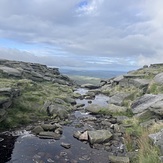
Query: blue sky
{"type": "Point", "coordinates": [82, 34]}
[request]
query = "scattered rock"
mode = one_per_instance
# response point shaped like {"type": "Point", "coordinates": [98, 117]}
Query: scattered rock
{"type": "Point", "coordinates": [66, 145]}
{"type": "Point", "coordinates": [99, 136]}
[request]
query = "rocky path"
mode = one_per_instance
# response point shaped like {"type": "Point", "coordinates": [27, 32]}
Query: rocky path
{"type": "Point", "coordinates": [89, 138]}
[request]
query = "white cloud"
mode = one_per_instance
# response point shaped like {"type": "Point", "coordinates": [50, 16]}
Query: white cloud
{"type": "Point", "coordinates": [129, 30]}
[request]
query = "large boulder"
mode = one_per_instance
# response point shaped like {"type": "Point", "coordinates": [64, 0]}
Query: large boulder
{"type": "Point", "coordinates": [93, 108]}
{"type": "Point", "coordinates": [143, 103]}
{"type": "Point", "coordinates": [99, 136]}
{"type": "Point", "coordinates": [119, 98]}
{"type": "Point", "coordinates": [159, 78]}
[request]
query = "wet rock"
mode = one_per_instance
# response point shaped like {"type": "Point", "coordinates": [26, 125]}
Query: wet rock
{"type": "Point", "coordinates": [37, 130]}
{"type": "Point", "coordinates": [84, 136]}
{"type": "Point", "coordinates": [118, 159]}
{"type": "Point", "coordinates": [49, 135]}
{"type": "Point", "coordinates": [66, 145]}
{"type": "Point", "coordinates": [77, 134]}
{"type": "Point", "coordinates": [49, 127]}
{"type": "Point", "coordinates": [93, 108]}
{"type": "Point", "coordinates": [80, 105]}
{"type": "Point", "coordinates": [99, 136]}
{"type": "Point", "coordinates": [59, 131]}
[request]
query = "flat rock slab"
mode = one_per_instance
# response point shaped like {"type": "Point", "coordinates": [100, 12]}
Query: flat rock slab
{"type": "Point", "coordinates": [144, 102]}
{"type": "Point", "coordinates": [119, 98]}
{"type": "Point", "coordinates": [93, 108]}
{"type": "Point", "coordinates": [99, 136]}
{"type": "Point", "coordinates": [157, 108]}
{"type": "Point", "coordinates": [49, 135]}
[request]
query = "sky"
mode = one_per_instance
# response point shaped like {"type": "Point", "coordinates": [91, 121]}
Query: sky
{"type": "Point", "coordinates": [82, 34]}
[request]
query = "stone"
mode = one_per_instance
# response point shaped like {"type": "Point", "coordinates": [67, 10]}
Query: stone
{"type": "Point", "coordinates": [70, 100]}
{"type": "Point", "coordinates": [143, 103]}
{"type": "Point", "coordinates": [89, 86]}
{"type": "Point", "coordinates": [119, 98]}
{"type": "Point", "coordinates": [77, 134]}
{"type": "Point", "coordinates": [37, 130]}
{"type": "Point", "coordinates": [157, 108]}
{"type": "Point", "coordinates": [119, 159]}
{"type": "Point", "coordinates": [99, 136]}
{"type": "Point", "coordinates": [10, 71]}
{"type": "Point", "coordinates": [66, 145]}
{"type": "Point", "coordinates": [49, 135]}
{"type": "Point", "coordinates": [93, 108]}
{"type": "Point", "coordinates": [116, 109]}
{"type": "Point", "coordinates": [48, 127]}
{"type": "Point", "coordinates": [159, 78]}
{"type": "Point", "coordinates": [84, 136]}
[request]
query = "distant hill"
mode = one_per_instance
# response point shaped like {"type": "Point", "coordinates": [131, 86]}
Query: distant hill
{"type": "Point", "coordinates": [102, 74]}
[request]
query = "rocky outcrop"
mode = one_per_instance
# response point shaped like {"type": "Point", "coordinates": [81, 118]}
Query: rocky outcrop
{"type": "Point", "coordinates": [99, 136]}
{"type": "Point", "coordinates": [34, 71]}
{"type": "Point", "coordinates": [6, 98]}
{"type": "Point", "coordinates": [145, 102]}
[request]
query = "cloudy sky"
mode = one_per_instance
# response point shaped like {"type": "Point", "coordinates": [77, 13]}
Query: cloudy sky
{"type": "Point", "coordinates": [82, 34]}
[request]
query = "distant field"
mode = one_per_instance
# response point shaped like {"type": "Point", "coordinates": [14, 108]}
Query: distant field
{"type": "Point", "coordinates": [102, 74]}
{"type": "Point", "coordinates": [90, 76]}
{"type": "Point", "coordinates": [85, 79]}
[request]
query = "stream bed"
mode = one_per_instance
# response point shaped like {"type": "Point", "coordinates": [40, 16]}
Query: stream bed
{"type": "Point", "coordinates": [24, 147]}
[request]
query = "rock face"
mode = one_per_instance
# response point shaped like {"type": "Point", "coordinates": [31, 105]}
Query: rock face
{"type": "Point", "coordinates": [144, 102]}
{"type": "Point", "coordinates": [99, 136]}
{"type": "Point", "coordinates": [34, 71]}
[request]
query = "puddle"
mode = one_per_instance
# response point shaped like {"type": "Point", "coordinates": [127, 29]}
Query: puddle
{"type": "Point", "coordinates": [31, 149]}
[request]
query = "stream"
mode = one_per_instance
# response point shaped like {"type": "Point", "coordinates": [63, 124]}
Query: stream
{"type": "Point", "coordinates": [24, 147]}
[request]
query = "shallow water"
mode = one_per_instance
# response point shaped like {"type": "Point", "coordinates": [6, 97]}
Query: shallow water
{"type": "Point", "coordinates": [27, 148]}
{"type": "Point", "coordinates": [30, 149]}
{"type": "Point", "coordinates": [100, 99]}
